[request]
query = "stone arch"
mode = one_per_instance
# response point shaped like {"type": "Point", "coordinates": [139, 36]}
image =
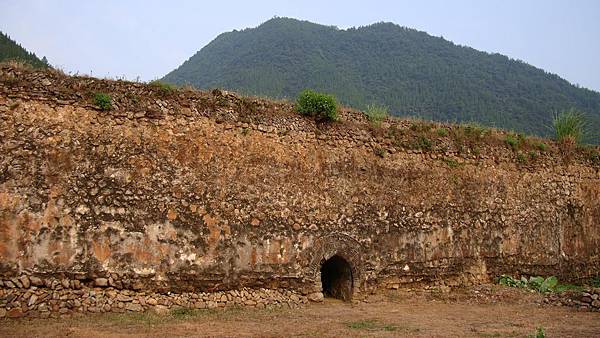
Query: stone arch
{"type": "Point", "coordinates": [342, 246]}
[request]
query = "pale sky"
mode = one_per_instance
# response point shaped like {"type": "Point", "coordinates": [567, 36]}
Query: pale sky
{"type": "Point", "coordinates": [149, 38]}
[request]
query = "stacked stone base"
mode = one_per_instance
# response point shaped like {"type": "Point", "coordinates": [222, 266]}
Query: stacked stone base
{"type": "Point", "coordinates": [20, 298]}
{"type": "Point", "coordinates": [588, 299]}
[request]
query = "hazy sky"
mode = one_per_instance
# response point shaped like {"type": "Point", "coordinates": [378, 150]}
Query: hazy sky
{"type": "Point", "coordinates": [149, 38]}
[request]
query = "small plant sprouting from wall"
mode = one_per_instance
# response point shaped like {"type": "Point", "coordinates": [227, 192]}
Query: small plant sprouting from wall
{"type": "Point", "coordinates": [452, 163]}
{"type": "Point", "coordinates": [442, 132]}
{"type": "Point", "coordinates": [163, 88]}
{"type": "Point", "coordinates": [381, 152]}
{"type": "Point", "coordinates": [541, 146]}
{"type": "Point", "coordinates": [319, 105]}
{"type": "Point", "coordinates": [103, 101]}
{"type": "Point", "coordinates": [376, 113]}
{"type": "Point", "coordinates": [521, 158]}
{"type": "Point", "coordinates": [514, 141]}
{"type": "Point", "coordinates": [570, 127]}
{"type": "Point", "coordinates": [424, 143]}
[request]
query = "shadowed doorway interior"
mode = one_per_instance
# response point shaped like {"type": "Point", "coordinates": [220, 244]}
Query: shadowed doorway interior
{"type": "Point", "coordinates": [336, 278]}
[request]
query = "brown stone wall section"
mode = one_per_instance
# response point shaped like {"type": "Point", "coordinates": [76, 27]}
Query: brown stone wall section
{"type": "Point", "coordinates": [200, 192]}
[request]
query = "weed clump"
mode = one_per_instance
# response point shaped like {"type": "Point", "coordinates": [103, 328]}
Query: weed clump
{"type": "Point", "coordinates": [163, 88]}
{"type": "Point", "coordinates": [521, 158]}
{"type": "Point", "coordinates": [541, 146]}
{"type": "Point", "coordinates": [319, 105]}
{"type": "Point", "coordinates": [452, 163]}
{"type": "Point", "coordinates": [514, 141]}
{"type": "Point", "coordinates": [376, 113]}
{"type": "Point", "coordinates": [539, 333]}
{"type": "Point", "coordinates": [381, 152]}
{"type": "Point", "coordinates": [569, 127]}
{"type": "Point", "coordinates": [442, 132]}
{"type": "Point", "coordinates": [103, 101]}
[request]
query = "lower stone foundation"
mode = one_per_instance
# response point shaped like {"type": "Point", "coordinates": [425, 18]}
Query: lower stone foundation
{"type": "Point", "coordinates": [20, 297]}
{"type": "Point", "coordinates": [587, 299]}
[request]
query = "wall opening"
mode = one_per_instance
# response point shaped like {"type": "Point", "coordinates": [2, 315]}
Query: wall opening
{"type": "Point", "coordinates": [336, 278]}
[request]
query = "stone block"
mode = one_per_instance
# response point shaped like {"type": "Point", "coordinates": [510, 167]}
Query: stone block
{"type": "Point", "coordinates": [316, 297]}
{"type": "Point", "coordinates": [101, 282]}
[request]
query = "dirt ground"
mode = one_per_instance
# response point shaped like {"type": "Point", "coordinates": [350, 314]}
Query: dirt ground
{"type": "Point", "coordinates": [488, 311]}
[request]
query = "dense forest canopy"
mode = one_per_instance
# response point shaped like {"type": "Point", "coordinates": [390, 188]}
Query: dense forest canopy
{"type": "Point", "coordinates": [10, 50]}
{"type": "Point", "coordinates": [409, 71]}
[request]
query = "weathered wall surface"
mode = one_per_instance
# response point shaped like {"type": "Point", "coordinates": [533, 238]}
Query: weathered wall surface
{"type": "Point", "coordinates": [207, 192]}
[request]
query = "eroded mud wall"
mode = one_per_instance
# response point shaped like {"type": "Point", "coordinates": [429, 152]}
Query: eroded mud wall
{"type": "Point", "coordinates": [207, 192]}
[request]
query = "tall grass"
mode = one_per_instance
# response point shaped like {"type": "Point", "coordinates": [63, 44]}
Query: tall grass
{"type": "Point", "coordinates": [376, 113]}
{"type": "Point", "coordinates": [570, 126]}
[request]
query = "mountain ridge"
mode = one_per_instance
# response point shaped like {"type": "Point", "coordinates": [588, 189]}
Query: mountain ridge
{"type": "Point", "coordinates": [411, 72]}
{"type": "Point", "coordinates": [11, 50]}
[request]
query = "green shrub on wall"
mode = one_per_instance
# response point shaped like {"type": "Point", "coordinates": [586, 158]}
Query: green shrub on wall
{"type": "Point", "coordinates": [103, 101]}
{"type": "Point", "coordinates": [319, 105]}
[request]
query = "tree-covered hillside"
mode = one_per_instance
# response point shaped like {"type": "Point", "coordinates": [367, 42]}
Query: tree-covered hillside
{"type": "Point", "coordinates": [409, 71]}
{"type": "Point", "coordinates": [10, 50]}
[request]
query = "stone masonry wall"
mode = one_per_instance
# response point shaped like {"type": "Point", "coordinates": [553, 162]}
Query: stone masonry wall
{"type": "Point", "coordinates": [195, 193]}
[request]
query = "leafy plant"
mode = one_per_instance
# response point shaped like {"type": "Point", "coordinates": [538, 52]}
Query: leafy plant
{"type": "Point", "coordinates": [319, 105]}
{"type": "Point", "coordinates": [376, 113]}
{"type": "Point", "coordinates": [570, 126]}
{"type": "Point", "coordinates": [536, 283]}
{"type": "Point", "coordinates": [103, 101]}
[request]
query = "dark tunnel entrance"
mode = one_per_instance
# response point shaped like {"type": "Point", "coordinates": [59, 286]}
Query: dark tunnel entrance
{"type": "Point", "coordinates": [336, 278]}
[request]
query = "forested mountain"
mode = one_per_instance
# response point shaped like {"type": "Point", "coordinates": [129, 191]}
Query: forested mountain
{"type": "Point", "coordinates": [409, 71]}
{"type": "Point", "coordinates": [10, 50]}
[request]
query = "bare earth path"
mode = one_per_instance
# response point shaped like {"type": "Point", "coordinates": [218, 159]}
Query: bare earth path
{"type": "Point", "coordinates": [509, 313]}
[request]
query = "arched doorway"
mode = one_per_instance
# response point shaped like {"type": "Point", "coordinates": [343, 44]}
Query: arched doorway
{"type": "Point", "coordinates": [336, 278]}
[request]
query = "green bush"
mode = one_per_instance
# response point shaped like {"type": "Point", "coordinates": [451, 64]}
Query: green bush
{"type": "Point", "coordinates": [570, 126]}
{"type": "Point", "coordinates": [103, 101]}
{"type": "Point", "coordinates": [376, 113]}
{"type": "Point", "coordinates": [319, 105]}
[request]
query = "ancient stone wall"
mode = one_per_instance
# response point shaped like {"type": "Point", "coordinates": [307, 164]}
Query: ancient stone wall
{"type": "Point", "coordinates": [190, 193]}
